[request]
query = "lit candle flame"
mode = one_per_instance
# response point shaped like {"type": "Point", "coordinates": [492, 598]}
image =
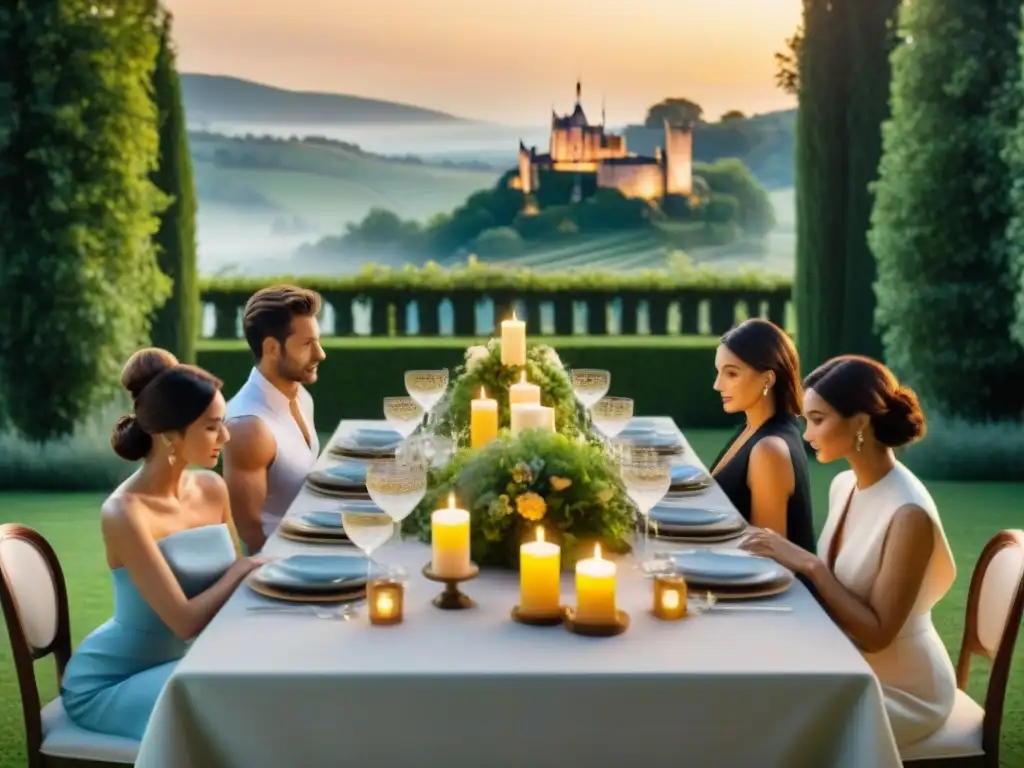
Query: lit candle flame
{"type": "Point", "coordinates": [513, 315]}
{"type": "Point", "coordinates": [540, 533]}
{"type": "Point", "coordinates": [483, 394]}
{"type": "Point", "coordinates": [522, 377]}
{"type": "Point", "coordinates": [451, 500]}
{"type": "Point", "coordinates": [597, 551]}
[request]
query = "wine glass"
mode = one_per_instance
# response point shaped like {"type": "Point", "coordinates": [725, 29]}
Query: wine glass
{"type": "Point", "coordinates": [647, 476]}
{"type": "Point", "coordinates": [427, 388]}
{"type": "Point", "coordinates": [611, 415]}
{"type": "Point", "coordinates": [367, 530]}
{"type": "Point", "coordinates": [590, 385]}
{"type": "Point", "coordinates": [404, 414]}
{"type": "Point", "coordinates": [396, 486]}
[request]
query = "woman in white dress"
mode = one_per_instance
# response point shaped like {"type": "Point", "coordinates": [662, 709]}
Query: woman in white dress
{"type": "Point", "coordinates": [883, 559]}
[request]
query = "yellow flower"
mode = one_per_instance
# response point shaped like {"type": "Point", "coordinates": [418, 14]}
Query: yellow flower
{"type": "Point", "coordinates": [521, 473]}
{"type": "Point", "coordinates": [560, 483]}
{"type": "Point", "coordinates": [531, 505]}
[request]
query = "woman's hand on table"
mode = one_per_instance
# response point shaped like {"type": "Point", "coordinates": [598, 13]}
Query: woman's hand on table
{"type": "Point", "coordinates": [767, 543]}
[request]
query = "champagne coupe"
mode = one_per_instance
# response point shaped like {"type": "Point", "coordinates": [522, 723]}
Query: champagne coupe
{"type": "Point", "coordinates": [590, 385]}
{"type": "Point", "coordinates": [611, 415]}
{"type": "Point", "coordinates": [404, 414]}
{"type": "Point", "coordinates": [367, 530]}
{"type": "Point", "coordinates": [647, 476]}
{"type": "Point", "coordinates": [396, 487]}
{"type": "Point", "coordinates": [427, 388]}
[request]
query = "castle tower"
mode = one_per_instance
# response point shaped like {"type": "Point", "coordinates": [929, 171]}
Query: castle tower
{"type": "Point", "coordinates": [525, 169]}
{"type": "Point", "coordinates": [678, 160]}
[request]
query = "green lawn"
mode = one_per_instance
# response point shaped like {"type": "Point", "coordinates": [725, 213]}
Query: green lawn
{"type": "Point", "coordinates": [972, 514]}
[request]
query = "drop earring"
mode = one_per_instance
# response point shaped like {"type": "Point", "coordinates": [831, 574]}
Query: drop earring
{"type": "Point", "coordinates": [764, 392]}
{"type": "Point", "coordinates": [171, 458]}
{"type": "Point", "coordinates": [860, 441]}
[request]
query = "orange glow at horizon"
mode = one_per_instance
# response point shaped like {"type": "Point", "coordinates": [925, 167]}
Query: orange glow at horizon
{"type": "Point", "coordinates": [500, 61]}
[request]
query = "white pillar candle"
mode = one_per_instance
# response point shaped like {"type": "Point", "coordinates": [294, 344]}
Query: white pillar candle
{"type": "Point", "coordinates": [524, 392]}
{"type": "Point", "coordinates": [529, 416]}
{"type": "Point", "coordinates": [513, 341]}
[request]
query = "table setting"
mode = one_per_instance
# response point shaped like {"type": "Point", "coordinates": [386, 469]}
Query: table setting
{"type": "Point", "coordinates": [514, 551]}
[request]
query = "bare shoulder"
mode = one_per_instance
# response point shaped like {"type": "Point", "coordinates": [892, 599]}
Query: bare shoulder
{"type": "Point", "coordinates": [210, 484]}
{"type": "Point", "coordinates": [771, 452]}
{"type": "Point", "coordinates": [251, 444]}
{"type": "Point", "coordinates": [912, 522]}
{"type": "Point", "coordinates": [120, 513]}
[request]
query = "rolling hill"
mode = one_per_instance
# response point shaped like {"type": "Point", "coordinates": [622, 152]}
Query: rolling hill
{"type": "Point", "coordinates": [224, 99]}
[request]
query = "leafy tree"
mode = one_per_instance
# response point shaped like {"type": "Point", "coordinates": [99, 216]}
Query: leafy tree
{"type": "Point", "coordinates": [79, 279]}
{"type": "Point", "coordinates": [787, 64]}
{"type": "Point", "coordinates": [1015, 232]}
{"type": "Point", "coordinates": [676, 111]}
{"type": "Point", "coordinates": [176, 324]}
{"type": "Point", "coordinates": [946, 278]}
{"type": "Point", "coordinates": [732, 114]}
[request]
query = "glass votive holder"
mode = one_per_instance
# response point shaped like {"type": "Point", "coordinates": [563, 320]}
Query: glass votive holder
{"type": "Point", "coordinates": [385, 598]}
{"type": "Point", "coordinates": [669, 597]}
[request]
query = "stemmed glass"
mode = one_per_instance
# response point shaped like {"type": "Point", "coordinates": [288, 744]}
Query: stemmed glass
{"type": "Point", "coordinates": [404, 414]}
{"type": "Point", "coordinates": [590, 385]}
{"type": "Point", "coordinates": [647, 476]}
{"type": "Point", "coordinates": [367, 530]}
{"type": "Point", "coordinates": [427, 388]}
{"type": "Point", "coordinates": [611, 415]}
{"type": "Point", "coordinates": [396, 486]}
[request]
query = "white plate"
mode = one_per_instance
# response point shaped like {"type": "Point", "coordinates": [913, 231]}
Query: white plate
{"type": "Point", "coordinates": [689, 517]}
{"type": "Point", "coordinates": [710, 567]}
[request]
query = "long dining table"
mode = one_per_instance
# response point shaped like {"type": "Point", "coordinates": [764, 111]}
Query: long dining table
{"type": "Point", "coordinates": [474, 689]}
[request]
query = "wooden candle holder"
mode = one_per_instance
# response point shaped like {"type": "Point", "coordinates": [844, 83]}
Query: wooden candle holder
{"type": "Point", "coordinates": [669, 597]}
{"type": "Point", "coordinates": [452, 599]}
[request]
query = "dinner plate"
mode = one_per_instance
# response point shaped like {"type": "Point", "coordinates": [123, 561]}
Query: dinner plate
{"type": "Point", "coordinates": [323, 518]}
{"type": "Point", "coordinates": [706, 567]}
{"type": "Point", "coordinates": [688, 474]}
{"type": "Point", "coordinates": [375, 437]}
{"type": "Point", "coordinates": [688, 516]}
{"type": "Point", "coordinates": [348, 472]}
{"type": "Point", "coordinates": [324, 569]}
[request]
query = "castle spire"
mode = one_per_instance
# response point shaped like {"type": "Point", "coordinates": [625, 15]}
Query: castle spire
{"type": "Point", "coordinates": [579, 89]}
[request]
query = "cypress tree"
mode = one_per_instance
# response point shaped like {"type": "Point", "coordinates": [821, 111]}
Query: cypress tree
{"type": "Point", "coordinates": [176, 323]}
{"type": "Point", "coordinates": [946, 279]}
{"type": "Point", "coordinates": [871, 34]}
{"type": "Point", "coordinates": [821, 181]}
{"type": "Point", "coordinates": [78, 276]}
{"type": "Point", "coordinates": [1015, 233]}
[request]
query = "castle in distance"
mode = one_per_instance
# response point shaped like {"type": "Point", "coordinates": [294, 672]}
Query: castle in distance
{"type": "Point", "coordinates": [578, 147]}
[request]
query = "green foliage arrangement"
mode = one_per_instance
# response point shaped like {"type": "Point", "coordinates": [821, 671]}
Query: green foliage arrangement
{"type": "Point", "coordinates": [176, 324]}
{"type": "Point", "coordinates": [483, 369]}
{"type": "Point", "coordinates": [946, 275]}
{"type": "Point", "coordinates": [516, 483]}
{"type": "Point", "coordinates": [79, 279]}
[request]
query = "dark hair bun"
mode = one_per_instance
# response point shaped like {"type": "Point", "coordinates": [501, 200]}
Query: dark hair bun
{"type": "Point", "coordinates": [129, 441]}
{"type": "Point", "coordinates": [902, 422]}
{"type": "Point", "coordinates": [144, 366]}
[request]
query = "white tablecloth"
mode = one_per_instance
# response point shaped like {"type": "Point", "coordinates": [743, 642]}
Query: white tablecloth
{"type": "Point", "coordinates": [473, 689]}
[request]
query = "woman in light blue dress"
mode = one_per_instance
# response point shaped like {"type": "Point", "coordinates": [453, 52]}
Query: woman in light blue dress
{"type": "Point", "coordinates": [169, 542]}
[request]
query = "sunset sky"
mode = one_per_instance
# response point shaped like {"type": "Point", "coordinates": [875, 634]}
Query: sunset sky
{"type": "Point", "coordinates": [506, 61]}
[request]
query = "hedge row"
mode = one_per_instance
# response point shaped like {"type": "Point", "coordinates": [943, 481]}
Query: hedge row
{"type": "Point", "coordinates": [666, 376]}
{"type": "Point", "coordinates": [476, 276]}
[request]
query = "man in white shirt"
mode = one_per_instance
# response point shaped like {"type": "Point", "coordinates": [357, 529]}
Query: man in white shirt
{"type": "Point", "coordinates": [273, 441]}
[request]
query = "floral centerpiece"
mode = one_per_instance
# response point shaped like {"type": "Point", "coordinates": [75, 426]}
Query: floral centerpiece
{"type": "Point", "coordinates": [537, 477]}
{"type": "Point", "coordinates": [483, 369]}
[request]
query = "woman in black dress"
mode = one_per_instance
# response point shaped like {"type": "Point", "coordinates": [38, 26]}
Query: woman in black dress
{"type": "Point", "coordinates": [763, 469]}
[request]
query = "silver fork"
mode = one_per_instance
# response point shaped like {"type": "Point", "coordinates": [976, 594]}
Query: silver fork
{"type": "Point", "coordinates": [710, 604]}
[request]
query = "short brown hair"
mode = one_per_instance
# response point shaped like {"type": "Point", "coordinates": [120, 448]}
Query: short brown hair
{"type": "Point", "coordinates": [269, 312]}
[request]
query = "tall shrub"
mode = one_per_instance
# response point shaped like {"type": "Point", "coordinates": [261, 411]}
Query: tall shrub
{"type": "Point", "coordinates": [176, 323]}
{"type": "Point", "coordinates": [821, 181]}
{"type": "Point", "coordinates": [946, 281]}
{"type": "Point", "coordinates": [78, 276]}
